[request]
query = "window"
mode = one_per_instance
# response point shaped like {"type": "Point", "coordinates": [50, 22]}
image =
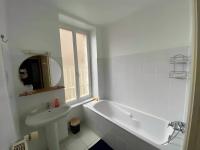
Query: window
{"type": "Point", "coordinates": [76, 70]}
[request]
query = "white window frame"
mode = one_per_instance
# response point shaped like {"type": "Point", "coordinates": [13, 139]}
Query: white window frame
{"type": "Point", "coordinates": [75, 30]}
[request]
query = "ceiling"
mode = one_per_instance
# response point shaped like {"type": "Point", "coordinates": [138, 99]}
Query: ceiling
{"type": "Point", "coordinates": [101, 12]}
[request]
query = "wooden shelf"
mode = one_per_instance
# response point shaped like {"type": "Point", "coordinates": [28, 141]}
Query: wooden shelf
{"type": "Point", "coordinates": [27, 93]}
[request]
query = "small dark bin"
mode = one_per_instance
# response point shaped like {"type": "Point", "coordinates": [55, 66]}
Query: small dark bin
{"type": "Point", "coordinates": [75, 125]}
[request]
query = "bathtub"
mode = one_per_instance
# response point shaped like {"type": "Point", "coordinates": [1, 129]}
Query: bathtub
{"type": "Point", "coordinates": [149, 128]}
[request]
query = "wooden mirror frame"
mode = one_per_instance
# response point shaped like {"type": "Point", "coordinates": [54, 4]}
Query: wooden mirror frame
{"type": "Point", "coordinates": [47, 87]}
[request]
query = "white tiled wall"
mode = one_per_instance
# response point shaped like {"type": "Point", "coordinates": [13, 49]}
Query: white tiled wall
{"type": "Point", "coordinates": [141, 80]}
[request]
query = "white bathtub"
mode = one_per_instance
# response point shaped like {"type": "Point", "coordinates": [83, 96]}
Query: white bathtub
{"type": "Point", "coordinates": [149, 128]}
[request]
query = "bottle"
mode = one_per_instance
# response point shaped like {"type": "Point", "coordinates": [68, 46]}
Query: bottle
{"type": "Point", "coordinates": [56, 103]}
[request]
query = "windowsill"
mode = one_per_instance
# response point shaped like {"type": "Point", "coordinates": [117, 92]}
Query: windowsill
{"type": "Point", "coordinates": [76, 103]}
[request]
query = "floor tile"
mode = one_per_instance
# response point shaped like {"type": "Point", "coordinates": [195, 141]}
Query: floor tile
{"type": "Point", "coordinates": [83, 140]}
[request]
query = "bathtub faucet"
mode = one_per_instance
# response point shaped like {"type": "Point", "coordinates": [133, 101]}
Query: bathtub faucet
{"type": "Point", "coordinates": [177, 126]}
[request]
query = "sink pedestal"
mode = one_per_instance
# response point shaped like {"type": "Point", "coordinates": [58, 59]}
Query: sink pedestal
{"type": "Point", "coordinates": [48, 119]}
{"type": "Point", "coordinates": [52, 136]}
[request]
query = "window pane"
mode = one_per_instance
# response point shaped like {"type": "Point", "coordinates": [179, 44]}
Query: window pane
{"type": "Point", "coordinates": [67, 51]}
{"type": "Point", "coordinates": [81, 40]}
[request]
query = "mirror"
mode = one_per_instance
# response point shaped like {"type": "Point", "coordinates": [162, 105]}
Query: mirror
{"type": "Point", "coordinates": [39, 72]}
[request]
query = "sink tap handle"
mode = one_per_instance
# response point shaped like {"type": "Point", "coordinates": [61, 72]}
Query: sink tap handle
{"type": "Point", "coordinates": [48, 105]}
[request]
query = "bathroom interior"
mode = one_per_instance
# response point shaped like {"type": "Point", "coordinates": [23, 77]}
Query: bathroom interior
{"type": "Point", "coordinates": [91, 75]}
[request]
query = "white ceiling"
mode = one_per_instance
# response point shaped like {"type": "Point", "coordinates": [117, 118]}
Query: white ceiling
{"type": "Point", "coordinates": [101, 12]}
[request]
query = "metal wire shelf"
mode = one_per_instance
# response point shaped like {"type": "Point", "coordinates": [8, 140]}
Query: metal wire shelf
{"type": "Point", "coordinates": [179, 59]}
{"type": "Point", "coordinates": [180, 66]}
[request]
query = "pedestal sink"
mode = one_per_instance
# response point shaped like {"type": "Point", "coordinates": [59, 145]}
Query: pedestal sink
{"type": "Point", "coordinates": [48, 119]}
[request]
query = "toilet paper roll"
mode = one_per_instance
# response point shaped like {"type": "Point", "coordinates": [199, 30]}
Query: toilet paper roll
{"type": "Point", "coordinates": [34, 135]}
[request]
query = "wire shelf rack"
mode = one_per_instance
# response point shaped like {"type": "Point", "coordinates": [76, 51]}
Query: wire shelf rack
{"type": "Point", "coordinates": [179, 63]}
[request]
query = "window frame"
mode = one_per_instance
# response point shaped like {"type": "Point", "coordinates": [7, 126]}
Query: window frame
{"type": "Point", "coordinates": [74, 31]}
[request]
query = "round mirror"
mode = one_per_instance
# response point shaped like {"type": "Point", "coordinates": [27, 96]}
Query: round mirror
{"type": "Point", "coordinates": [39, 72]}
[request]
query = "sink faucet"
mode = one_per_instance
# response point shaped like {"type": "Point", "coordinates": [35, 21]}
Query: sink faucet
{"type": "Point", "coordinates": [49, 106]}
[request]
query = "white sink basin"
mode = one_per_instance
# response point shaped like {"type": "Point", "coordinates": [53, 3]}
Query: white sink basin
{"type": "Point", "coordinates": [47, 116]}
{"type": "Point", "coordinates": [48, 119]}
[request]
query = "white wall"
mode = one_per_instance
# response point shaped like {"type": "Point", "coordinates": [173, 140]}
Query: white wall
{"type": "Point", "coordinates": [8, 134]}
{"type": "Point", "coordinates": [158, 27]}
{"type": "Point", "coordinates": [34, 25]}
{"type": "Point", "coordinates": [136, 59]}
